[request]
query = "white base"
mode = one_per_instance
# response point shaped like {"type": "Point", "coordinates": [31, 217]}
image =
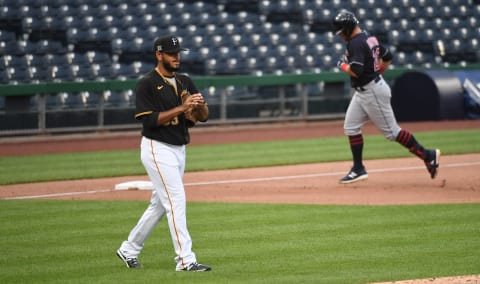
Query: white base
{"type": "Point", "coordinates": [134, 185]}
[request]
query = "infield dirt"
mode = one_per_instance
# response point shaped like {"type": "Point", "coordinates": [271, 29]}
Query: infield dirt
{"type": "Point", "coordinates": [392, 181]}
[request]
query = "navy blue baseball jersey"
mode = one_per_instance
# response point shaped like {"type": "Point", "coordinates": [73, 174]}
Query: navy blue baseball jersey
{"type": "Point", "coordinates": [364, 53]}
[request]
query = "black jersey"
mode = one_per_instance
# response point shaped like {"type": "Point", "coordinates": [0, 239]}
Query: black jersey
{"type": "Point", "coordinates": [154, 94]}
{"type": "Point", "coordinates": [364, 53]}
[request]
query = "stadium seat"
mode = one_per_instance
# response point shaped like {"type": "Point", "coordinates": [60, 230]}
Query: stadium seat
{"type": "Point", "coordinates": [473, 44]}
{"type": "Point", "coordinates": [131, 70]}
{"type": "Point", "coordinates": [326, 62]}
{"type": "Point", "coordinates": [226, 66]}
{"type": "Point", "coordinates": [63, 11]}
{"type": "Point", "coordinates": [74, 100]}
{"type": "Point", "coordinates": [119, 98]}
{"type": "Point", "coordinates": [53, 102]}
{"type": "Point", "coordinates": [61, 73]}
{"type": "Point", "coordinates": [251, 6]}
{"type": "Point", "coordinates": [456, 52]}
{"type": "Point", "coordinates": [7, 36]}
{"type": "Point", "coordinates": [121, 71]}
{"type": "Point", "coordinates": [2, 101]}
{"type": "Point", "coordinates": [103, 71]}
{"type": "Point", "coordinates": [81, 73]}
{"type": "Point", "coordinates": [59, 59]}
{"type": "Point", "coordinates": [4, 77]}
{"type": "Point", "coordinates": [18, 74]}
{"type": "Point", "coordinates": [13, 48]}
{"type": "Point", "coordinates": [91, 99]}
{"type": "Point", "coordinates": [47, 47]}
{"type": "Point", "coordinates": [3, 63]}
{"type": "Point", "coordinates": [10, 10]}
{"type": "Point", "coordinates": [37, 74]}
{"type": "Point", "coordinates": [77, 58]}
{"type": "Point", "coordinates": [102, 58]}
{"type": "Point", "coordinates": [17, 61]}
{"type": "Point", "coordinates": [123, 31]}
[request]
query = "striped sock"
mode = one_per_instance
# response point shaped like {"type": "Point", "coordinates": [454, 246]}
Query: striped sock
{"type": "Point", "coordinates": [407, 140]}
{"type": "Point", "coordinates": [356, 145]}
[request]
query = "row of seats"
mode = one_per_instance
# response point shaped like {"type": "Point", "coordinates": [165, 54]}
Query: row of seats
{"type": "Point", "coordinates": [74, 72]}
{"type": "Point", "coordinates": [105, 15]}
{"type": "Point", "coordinates": [82, 100]}
{"type": "Point", "coordinates": [65, 101]}
{"type": "Point", "coordinates": [60, 68]}
{"type": "Point", "coordinates": [387, 8]}
{"type": "Point", "coordinates": [120, 99]}
{"type": "Point", "coordinates": [88, 40]}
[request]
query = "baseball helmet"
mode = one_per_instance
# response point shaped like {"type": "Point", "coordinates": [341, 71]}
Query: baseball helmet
{"type": "Point", "coordinates": [344, 22]}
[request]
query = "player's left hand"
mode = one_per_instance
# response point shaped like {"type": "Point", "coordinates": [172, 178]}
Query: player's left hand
{"type": "Point", "coordinates": [197, 99]}
{"type": "Point", "coordinates": [197, 109]}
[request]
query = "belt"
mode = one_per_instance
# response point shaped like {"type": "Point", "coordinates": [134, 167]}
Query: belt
{"type": "Point", "coordinates": [362, 89]}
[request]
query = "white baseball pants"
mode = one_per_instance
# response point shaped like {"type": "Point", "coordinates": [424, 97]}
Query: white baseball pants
{"type": "Point", "coordinates": [165, 165]}
{"type": "Point", "coordinates": [372, 104]}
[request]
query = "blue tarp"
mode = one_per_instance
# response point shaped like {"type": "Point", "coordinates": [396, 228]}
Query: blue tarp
{"type": "Point", "coordinates": [471, 84]}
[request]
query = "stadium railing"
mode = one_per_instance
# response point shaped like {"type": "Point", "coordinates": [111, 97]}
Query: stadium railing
{"type": "Point", "coordinates": [26, 110]}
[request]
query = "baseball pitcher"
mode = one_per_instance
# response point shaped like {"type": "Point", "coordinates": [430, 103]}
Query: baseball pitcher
{"type": "Point", "coordinates": [167, 104]}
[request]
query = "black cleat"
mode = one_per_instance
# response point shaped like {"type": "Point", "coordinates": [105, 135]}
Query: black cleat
{"type": "Point", "coordinates": [194, 266]}
{"type": "Point", "coordinates": [432, 162]}
{"type": "Point", "coordinates": [354, 175]}
{"type": "Point", "coordinates": [130, 262]}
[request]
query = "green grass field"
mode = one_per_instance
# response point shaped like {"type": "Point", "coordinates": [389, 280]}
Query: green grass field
{"type": "Point", "coordinates": [225, 156]}
{"type": "Point", "coordinates": [52, 241]}
{"type": "Point", "coordinates": [75, 242]}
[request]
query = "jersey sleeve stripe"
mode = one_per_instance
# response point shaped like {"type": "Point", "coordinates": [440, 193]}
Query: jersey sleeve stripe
{"type": "Point", "coordinates": [138, 115]}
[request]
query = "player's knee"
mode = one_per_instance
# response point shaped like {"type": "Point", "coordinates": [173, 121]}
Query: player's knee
{"type": "Point", "coordinates": [390, 136]}
{"type": "Point", "coordinates": [391, 133]}
{"type": "Point", "coordinates": [351, 131]}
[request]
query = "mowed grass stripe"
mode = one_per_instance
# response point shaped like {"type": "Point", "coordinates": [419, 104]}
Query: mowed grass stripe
{"type": "Point", "coordinates": [225, 156]}
{"type": "Point", "coordinates": [52, 241]}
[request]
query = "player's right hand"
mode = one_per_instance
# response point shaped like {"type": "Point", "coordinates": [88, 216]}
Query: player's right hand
{"type": "Point", "coordinates": [343, 59]}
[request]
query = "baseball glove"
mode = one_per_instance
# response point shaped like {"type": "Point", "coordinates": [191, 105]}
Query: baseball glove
{"type": "Point", "coordinates": [195, 114]}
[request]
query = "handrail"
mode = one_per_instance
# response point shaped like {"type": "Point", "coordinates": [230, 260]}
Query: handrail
{"type": "Point", "coordinates": [201, 82]}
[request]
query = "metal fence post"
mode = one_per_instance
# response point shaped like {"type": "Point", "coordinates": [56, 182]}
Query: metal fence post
{"type": "Point", "coordinates": [223, 104]}
{"type": "Point", "coordinates": [42, 113]}
{"type": "Point", "coordinates": [281, 100]}
{"type": "Point", "coordinates": [101, 109]}
{"type": "Point", "coordinates": [304, 99]}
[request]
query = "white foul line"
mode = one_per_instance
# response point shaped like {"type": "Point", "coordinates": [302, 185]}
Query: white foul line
{"type": "Point", "coordinates": [58, 194]}
{"type": "Point", "coordinates": [323, 174]}
{"type": "Point", "coordinates": [455, 165]}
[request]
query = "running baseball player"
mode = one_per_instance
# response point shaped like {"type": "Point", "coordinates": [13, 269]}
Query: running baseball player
{"type": "Point", "coordinates": [162, 111]}
{"type": "Point", "coordinates": [364, 61]}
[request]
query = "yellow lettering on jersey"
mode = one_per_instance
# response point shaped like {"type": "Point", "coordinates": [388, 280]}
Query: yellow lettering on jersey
{"type": "Point", "coordinates": [173, 121]}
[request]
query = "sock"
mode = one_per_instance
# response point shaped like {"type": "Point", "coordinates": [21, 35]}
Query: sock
{"type": "Point", "coordinates": [356, 145]}
{"type": "Point", "coordinates": [407, 140]}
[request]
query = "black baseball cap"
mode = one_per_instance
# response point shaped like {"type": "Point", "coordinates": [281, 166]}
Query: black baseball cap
{"type": "Point", "coordinates": [168, 44]}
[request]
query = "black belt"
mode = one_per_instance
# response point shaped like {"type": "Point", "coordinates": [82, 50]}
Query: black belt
{"type": "Point", "coordinates": [362, 89]}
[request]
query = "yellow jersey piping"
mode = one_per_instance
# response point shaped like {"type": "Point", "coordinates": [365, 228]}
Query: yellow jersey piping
{"type": "Point", "coordinates": [169, 201]}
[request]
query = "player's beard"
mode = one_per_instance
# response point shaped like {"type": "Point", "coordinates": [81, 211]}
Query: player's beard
{"type": "Point", "coordinates": [169, 67]}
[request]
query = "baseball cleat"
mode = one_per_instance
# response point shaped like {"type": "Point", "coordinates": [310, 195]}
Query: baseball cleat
{"type": "Point", "coordinates": [433, 162]}
{"type": "Point", "coordinates": [194, 266]}
{"type": "Point", "coordinates": [354, 176]}
{"type": "Point", "coordinates": [130, 262]}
